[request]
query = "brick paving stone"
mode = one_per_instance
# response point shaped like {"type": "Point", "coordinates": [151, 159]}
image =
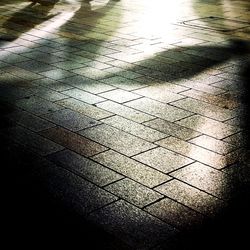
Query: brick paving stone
{"type": "Point", "coordinates": [134, 128]}
{"type": "Point", "coordinates": [173, 129]}
{"type": "Point", "coordinates": [175, 214]}
{"type": "Point", "coordinates": [131, 168]}
{"type": "Point", "coordinates": [212, 144]}
{"type": "Point", "coordinates": [87, 84]}
{"type": "Point", "coordinates": [208, 126]}
{"type": "Point", "coordinates": [194, 152]}
{"type": "Point", "coordinates": [164, 93]}
{"type": "Point", "coordinates": [89, 72]}
{"type": "Point", "coordinates": [72, 141]}
{"type": "Point", "coordinates": [84, 108]}
{"type": "Point", "coordinates": [48, 94]}
{"type": "Point", "coordinates": [133, 192]}
{"type": "Point", "coordinates": [68, 65]}
{"type": "Point", "coordinates": [163, 159]}
{"type": "Point", "coordinates": [42, 57]}
{"type": "Point", "coordinates": [33, 141]}
{"type": "Point", "coordinates": [119, 95]}
{"type": "Point", "coordinates": [191, 197]}
{"type": "Point", "coordinates": [37, 105]}
{"type": "Point", "coordinates": [71, 120]}
{"type": "Point", "coordinates": [84, 167]}
{"type": "Point", "coordinates": [132, 225]}
{"type": "Point", "coordinates": [83, 96]}
{"type": "Point", "coordinates": [116, 139]}
{"type": "Point", "coordinates": [205, 178]}
{"type": "Point", "coordinates": [205, 109]}
{"type": "Point", "coordinates": [160, 110]}
{"type": "Point", "coordinates": [35, 66]}
{"type": "Point", "coordinates": [124, 111]}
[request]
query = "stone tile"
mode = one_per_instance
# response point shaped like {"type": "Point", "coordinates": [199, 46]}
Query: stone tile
{"type": "Point", "coordinates": [131, 168]}
{"type": "Point", "coordinates": [212, 144]}
{"type": "Point", "coordinates": [134, 128]}
{"type": "Point", "coordinates": [84, 167]}
{"type": "Point", "coordinates": [35, 66]}
{"type": "Point", "coordinates": [205, 178]}
{"type": "Point", "coordinates": [163, 93]}
{"type": "Point", "coordinates": [163, 159]}
{"type": "Point", "coordinates": [123, 83]}
{"type": "Point", "coordinates": [89, 72]}
{"type": "Point", "coordinates": [30, 121]}
{"type": "Point", "coordinates": [124, 111]}
{"type": "Point", "coordinates": [83, 96]}
{"type": "Point", "coordinates": [37, 105]}
{"type": "Point", "coordinates": [194, 152]}
{"type": "Point", "coordinates": [33, 141]}
{"type": "Point", "coordinates": [222, 102]}
{"type": "Point", "coordinates": [173, 129]}
{"type": "Point", "coordinates": [215, 129]}
{"type": "Point", "coordinates": [237, 139]}
{"type": "Point", "coordinates": [108, 136]}
{"type": "Point", "coordinates": [204, 109]}
{"type": "Point", "coordinates": [160, 110]}
{"type": "Point", "coordinates": [134, 226]}
{"type": "Point", "coordinates": [42, 57]}
{"type": "Point", "coordinates": [75, 192]}
{"type": "Point", "coordinates": [191, 197]}
{"type": "Point", "coordinates": [133, 192]}
{"type": "Point", "coordinates": [71, 120]}
{"type": "Point", "coordinates": [84, 108]}
{"type": "Point", "coordinates": [57, 74]}
{"type": "Point", "coordinates": [48, 94]}
{"type": "Point", "coordinates": [87, 84]}
{"type": "Point", "coordinates": [22, 73]}
{"type": "Point", "coordinates": [52, 84]}
{"type": "Point", "coordinates": [175, 214]}
{"type": "Point", "coordinates": [68, 65]}
{"type": "Point", "coordinates": [73, 141]}
{"type": "Point", "coordinates": [119, 95]}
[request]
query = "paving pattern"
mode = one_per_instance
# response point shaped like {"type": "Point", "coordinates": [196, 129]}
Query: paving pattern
{"type": "Point", "coordinates": [132, 114]}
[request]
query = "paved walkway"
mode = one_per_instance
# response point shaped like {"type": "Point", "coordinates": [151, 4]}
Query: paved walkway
{"type": "Point", "coordinates": [124, 123]}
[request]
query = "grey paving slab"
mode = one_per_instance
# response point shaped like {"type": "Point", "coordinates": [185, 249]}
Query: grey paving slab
{"type": "Point", "coordinates": [124, 111]}
{"type": "Point", "coordinates": [213, 144]}
{"type": "Point", "coordinates": [175, 214]}
{"type": "Point", "coordinates": [134, 226]}
{"type": "Point", "coordinates": [205, 178]}
{"type": "Point", "coordinates": [119, 95]}
{"type": "Point", "coordinates": [173, 129]}
{"type": "Point", "coordinates": [57, 74]}
{"type": "Point", "coordinates": [84, 108]}
{"type": "Point", "coordinates": [194, 152]}
{"type": "Point", "coordinates": [37, 105]}
{"type": "Point", "coordinates": [35, 66]}
{"type": "Point", "coordinates": [163, 159]}
{"type": "Point", "coordinates": [84, 167]}
{"type": "Point", "coordinates": [71, 120]}
{"type": "Point", "coordinates": [33, 141]}
{"type": "Point", "coordinates": [81, 195]}
{"type": "Point", "coordinates": [73, 141]}
{"type": "Point", "coordinates": [52, 84]}
{"type": "Point", "coordinates": [48, 94]}
{"type": "Point", "coordinates": [89, 72]}
{"type": "Point", "coordinates": [131, 168]}
{"type": "Point", "coordinates": [208, 126]}
{"type": "Point", "coordinates": [204, 109]}
{"type": "Point", "coordinates": [160, 110]}
{"type": "Point", "coordinates": [87, 84]}
{"type": "Point", "coordinates": [134, 128]}
{"type": "Point", "coordinates": [68, 65]}
{"type": "Point", "coordinates": [123, 83]}
{"type": "Point", "coordinates": [191, 197]}
{"type": "Point", "coordinates": [83, 96]}
{"type": "Point", "coordinates": [164, 93]}
{"type": "Point", "coordinates": [133, 192]}
{"type": "Point", "coordinates": [116, 139]}
{"type": "Point", "coordinates": [30, 121]}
